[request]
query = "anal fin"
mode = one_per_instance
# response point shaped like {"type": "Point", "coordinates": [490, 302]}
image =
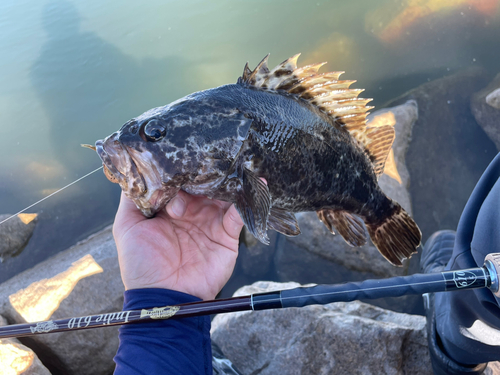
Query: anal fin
{"type": "Point", "coordinates": [349, 226]}
{"type": "Point", "coordinates": [283, 222]}
{"type": "Point", "coordinates": [253, 205]}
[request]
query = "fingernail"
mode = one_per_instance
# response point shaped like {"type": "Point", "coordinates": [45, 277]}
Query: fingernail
{"type": "Point", "coordinates": [178, 207]}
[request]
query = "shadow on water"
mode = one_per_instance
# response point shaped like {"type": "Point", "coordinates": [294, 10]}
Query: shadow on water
{"type": "Point", "coordinates": [85, 83]}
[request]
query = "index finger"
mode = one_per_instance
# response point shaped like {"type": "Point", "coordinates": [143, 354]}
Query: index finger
{"type": "Point", "coordinates": [232, 222]}
{"type": "Point", "coordinates": [127, 214]}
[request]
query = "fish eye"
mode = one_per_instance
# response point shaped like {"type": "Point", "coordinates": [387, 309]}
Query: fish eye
{"type": "Point", "coordinates": [154, 131]}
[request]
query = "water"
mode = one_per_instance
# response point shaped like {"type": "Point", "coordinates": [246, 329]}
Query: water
{"type": "Point", "coordinates": [73, 72]}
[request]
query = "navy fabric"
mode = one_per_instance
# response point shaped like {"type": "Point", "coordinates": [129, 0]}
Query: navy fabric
{"type": "Point", "coordinates": [176, 346]}
{"type": "Point", "coordinates": [468, 322]}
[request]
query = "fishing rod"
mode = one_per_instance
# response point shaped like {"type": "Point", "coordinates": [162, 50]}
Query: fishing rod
{"type": "Point", "coordinates": [465, 279]}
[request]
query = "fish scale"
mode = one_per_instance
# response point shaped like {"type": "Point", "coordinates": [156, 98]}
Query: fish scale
{"type": "Point", "coordinates": [305, 133]}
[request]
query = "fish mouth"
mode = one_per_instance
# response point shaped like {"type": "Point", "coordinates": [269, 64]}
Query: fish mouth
{"type": "Point", "coordinates": [121, 168]}
{"type": "Point", "coordinates": [111, 172]}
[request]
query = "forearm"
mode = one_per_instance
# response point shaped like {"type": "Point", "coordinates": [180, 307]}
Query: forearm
{"type": "Point", "coordinates": [177, 346]}
{"type": "Point", "coordinates": [468, 322]}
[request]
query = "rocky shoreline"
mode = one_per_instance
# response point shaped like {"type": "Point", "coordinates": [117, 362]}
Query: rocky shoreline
{"type": "Point", "coordinates": [434, 126]}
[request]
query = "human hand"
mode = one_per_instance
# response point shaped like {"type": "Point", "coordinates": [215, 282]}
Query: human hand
{"type": "Point", "coordinates": [190, 246]}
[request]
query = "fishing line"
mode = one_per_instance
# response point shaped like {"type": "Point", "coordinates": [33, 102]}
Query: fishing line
{"type": "Point", "coordinates": [48, 196]}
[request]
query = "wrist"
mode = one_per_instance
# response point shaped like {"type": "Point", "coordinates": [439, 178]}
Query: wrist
{"type": "Point", "coordinates": [145, 298]}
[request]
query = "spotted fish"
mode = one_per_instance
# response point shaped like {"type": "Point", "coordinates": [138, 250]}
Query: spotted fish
{"type": "Point", "coordinates": [304, 132]}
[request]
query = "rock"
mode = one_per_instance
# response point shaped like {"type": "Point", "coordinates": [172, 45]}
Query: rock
{"type": "Point", "coordinates": [493, 98]}
{"type": "Point", "coordinates": [318, 240]}
{"type": "Point", "coordinates": [492, 369]}
{"type": "Point", "coordinates": [485, 106]}
{"type": "Point", "coordinates": [15, 234]}
{"type": "Point", "coordinates": [403, 119]}
{"type": "Point", "coordinates": [393, 22]}
{"type": "Point", "coordinates": [15, 358]}
{"type": "Point", "coordinates": [255, 258]}
{"type": "Point", "coordinates": [82, 280]}
{"type": "Point", "coordinates": [340, 338]}
{"type": "Point", "coordinates": [294, 262]}
{"type": "Point", "coordinates": [448, 151]}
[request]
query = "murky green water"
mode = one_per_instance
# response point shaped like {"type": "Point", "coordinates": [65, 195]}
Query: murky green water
{"type": "Point", "coordinates": [72, 72]}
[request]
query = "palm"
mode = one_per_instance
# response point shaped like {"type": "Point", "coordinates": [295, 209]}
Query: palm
{"type": "Point", "coordinates": [194, 254]}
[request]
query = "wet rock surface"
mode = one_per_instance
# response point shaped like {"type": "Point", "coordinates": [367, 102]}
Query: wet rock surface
{"type": "Point", "coordinates": [448, 152]}
{"type": "Point", "coordinates": [255, 258]}
{"type": "Point", "coordinates": [493, 98]}
{"type": "Point", "coordinates": [405, 116]}
{"type": "Point", "coordinates": [316, 238]}
{"type": "Point", "coordinates": [340, 338]}
{"type": "Point", "coordinates": [15, 234]}
{"type": "Point", "coordinates": [84, 280]}
{"type": "Point", "coordinates": [492, 369]}
{"type": "Point", "coordinates": [16, 358]}
{"type": "Point", "coordinates": [294, 262]}
{"type": "Point", "coordinates": [485, 106]}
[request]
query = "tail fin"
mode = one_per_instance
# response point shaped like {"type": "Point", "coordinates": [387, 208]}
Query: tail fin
{"type": "Point", "coordinates": [397, 237]}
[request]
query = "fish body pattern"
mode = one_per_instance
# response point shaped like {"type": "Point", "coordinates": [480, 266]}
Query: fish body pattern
{"type": "Point", "coordinates": [305, 133]}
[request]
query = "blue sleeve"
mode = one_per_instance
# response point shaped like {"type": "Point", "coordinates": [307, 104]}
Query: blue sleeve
{"type": "Point", "coordinates": [171, 346]}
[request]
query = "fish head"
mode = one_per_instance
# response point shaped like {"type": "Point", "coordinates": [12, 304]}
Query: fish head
{"type": "Point", "coordinates": [137, 157]}
{"type": "Point", "coordinates": [187, 145]}
{"type": "Point", "coordinates": [132, 165]}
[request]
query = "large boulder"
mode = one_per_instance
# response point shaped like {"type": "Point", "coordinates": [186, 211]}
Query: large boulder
{"type": "Point", "coordinates": [83, 280]}
{"type": "Point", "coordinates": [485, 106]}
{"type": "Point", "coordinates": [395, 181]}
{"type": "Point", "coordinates": [339, 338]}
{"type": "Point", "coordinates": [17, 359]}
{"type": "Point", "coordinates": [15, 233]}
{"type": "Point", "coordinates": [492, 369]}
{"type": "Point", "coordinates": [448, 151]}
{"type": "Point", "coordinates": [254, 258]}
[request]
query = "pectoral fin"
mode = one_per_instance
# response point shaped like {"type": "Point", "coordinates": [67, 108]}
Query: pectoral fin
{"type": "Point", "coordinates": [283, 222]}
{"type": "Point", "coordinates": [253, 205]}
{"type": "Point", "coordinates": [348, 225]}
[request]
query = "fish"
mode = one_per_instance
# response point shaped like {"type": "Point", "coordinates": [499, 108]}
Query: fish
{"type": "Point", "coordinates": [305, 133]}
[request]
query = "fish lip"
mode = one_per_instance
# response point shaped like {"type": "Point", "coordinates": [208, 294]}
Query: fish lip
{"type": "Point", "coordinates": [106, 160]}
{"type": "Point", "coordinates": [110, 144]}
{"type": "Point", "coordinates": [119, 159]}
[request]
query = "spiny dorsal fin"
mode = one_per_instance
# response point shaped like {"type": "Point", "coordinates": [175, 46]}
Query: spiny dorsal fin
{"type": "Point", "coordinates": [331, 95]}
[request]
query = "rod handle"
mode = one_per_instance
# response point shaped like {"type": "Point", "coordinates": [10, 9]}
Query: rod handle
{"type": "Point", "coordinates": [492, 264]}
